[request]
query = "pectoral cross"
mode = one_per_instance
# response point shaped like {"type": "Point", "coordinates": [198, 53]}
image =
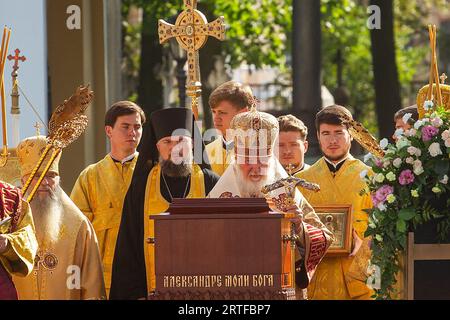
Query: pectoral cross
{"type": "Point", "coordinates": [16, 59]}
{"type": "Point", "coordinates": [443, 77]}
{"type": "Point", "coordinates": [191, 30]}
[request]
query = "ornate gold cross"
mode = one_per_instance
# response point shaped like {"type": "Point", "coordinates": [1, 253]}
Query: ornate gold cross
{"type": "Point", "coordinates": [191, 30]}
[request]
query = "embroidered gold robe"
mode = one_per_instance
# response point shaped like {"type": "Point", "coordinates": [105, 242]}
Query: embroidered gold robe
{"type": "Point", "coordinates": [315, 238]}
{"type": "Point", "coordinates": [18, 259]}
{"type": "Point", "coordinates": [70, 269]}
{"type": "Point", "coordinates": [218, 156]}
{"type": "Point", "coordinates": [99, 193]}
{"type": "Point", "coordinates": [341, 277]}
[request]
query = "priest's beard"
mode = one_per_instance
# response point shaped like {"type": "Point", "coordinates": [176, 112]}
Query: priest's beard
{"type": "Point", "coordinates": [171, 169]}
{"type": "Point", "coordinates": [252, 189]}
{"type": "Point", "coordinates": [47, 213]}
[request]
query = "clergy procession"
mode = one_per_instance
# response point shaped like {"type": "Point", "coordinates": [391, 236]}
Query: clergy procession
{"type": "Point", "coordinates": [222, 190]}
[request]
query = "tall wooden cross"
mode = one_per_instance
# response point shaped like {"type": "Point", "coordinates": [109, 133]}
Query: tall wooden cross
{"type": "Point", "coordinates": [16, 59]}
{"type": "Point", "coordinates": [191, 30]}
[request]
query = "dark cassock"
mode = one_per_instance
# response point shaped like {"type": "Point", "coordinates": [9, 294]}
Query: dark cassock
{"type": "Point", "coordinates": [170, 165]}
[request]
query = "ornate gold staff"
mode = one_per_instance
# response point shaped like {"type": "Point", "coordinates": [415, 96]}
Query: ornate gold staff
{"type": "Point", "coordinates": [437, 92]}
{"type": "Point", "coordinates": [191, 30]}
{"type": "Point", "coordinates": [67, 123]}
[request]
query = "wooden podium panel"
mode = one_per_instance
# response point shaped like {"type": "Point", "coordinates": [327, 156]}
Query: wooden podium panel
{"type": "Point", "coordinates": [227, 255]}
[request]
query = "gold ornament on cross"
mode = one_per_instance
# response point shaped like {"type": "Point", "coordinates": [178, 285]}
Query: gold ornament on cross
{"type": "Point", "coordinates": [191, 30]}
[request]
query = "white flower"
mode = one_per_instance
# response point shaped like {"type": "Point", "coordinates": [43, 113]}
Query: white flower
{"type": "Point", "coordinates": [399, 132]}
{"type": "Point", "coordinates": [445, 135]}
{"type": "Point", "coordinates": [372, 225]}
{"type": "Point", "coordinates": [402, 142]}
{"type": "Point", "coordinates": [409, 160]}
{"type": "Point", "coordinates": [436, 189]}
{"type": "Point", "coordinates": [397, 162]}
{"type": "Point", "coordinates": [367, 157]}
{"type": "Point", "coordinates": [436, 122]}
{"type": "Point", "coordinates": [379, 178]}
{"type": "Point", "coordinates": [386, 164]}
{"type": "Point", "coordinates": [390, 176]}
{"type": "Point", "coordinates": [418, 124]}
{"type": "Point", "coordinates": [417, 167]}
{"type": "Point", "coordinates": [434, 149]}
{"type": "Point", "coordinates": [414, 151]}
{"type": "Point", "coordinates": [390, 198]}
{"type": "Point", "coordinates": [406, 117]}
{"type": "Point", "coordinates": [379, 237]}
{"type": "Point", "coordinates": [410, 132]}
{"type": "Point", "coordinates": [363, 173]}
{"type": "Point", "coordinates": [428, 104]}
{"type": "Point", "coordinates": [444, 180]}
{"type": "Point", "coordinates": [384, 143]}
{"type": "Point", "coordinates": [381, 207]}
{"type": "Point", "coordinates": [415, 193]}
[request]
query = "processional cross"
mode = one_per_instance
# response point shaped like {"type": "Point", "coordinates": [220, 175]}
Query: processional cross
{"type": "Point", "coordinates": [16, 59]}
{"type": "Point", "coordinates": [191, 30]}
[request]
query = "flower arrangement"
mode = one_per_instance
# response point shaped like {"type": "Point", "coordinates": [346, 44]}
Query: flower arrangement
{"type": "Point", "coordinates": [409, 187]}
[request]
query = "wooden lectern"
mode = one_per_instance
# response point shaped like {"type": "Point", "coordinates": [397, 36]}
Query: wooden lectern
{"type": "Point", "coordinates": [233, 248]}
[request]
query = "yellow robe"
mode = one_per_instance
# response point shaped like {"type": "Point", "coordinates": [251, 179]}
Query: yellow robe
{"type": "Point", "coordinates": [332, 279]}
{"type": "Point", "coordinates": [219, 158]}
{"type": "Point", "coordinates": [156, 204]}
{"type": "Point", "coordinates": [99, 193]}
{"type": "Point", "coordinates": [18, 259]}
{"type": "Point", "coordinates": [71, 269]}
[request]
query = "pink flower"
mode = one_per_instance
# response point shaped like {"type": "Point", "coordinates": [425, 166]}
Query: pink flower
{"type": "Point", "coordinates": [428, 132]}
{"type": "Point", "coordinates": [406, 177]}
{"type": "Point", "coordinates": [378, 163]}
{"type": "Point", "coordinates": [381, 194]}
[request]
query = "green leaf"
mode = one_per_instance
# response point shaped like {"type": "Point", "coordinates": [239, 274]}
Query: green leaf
{"type": "Point", "coordinates": [401, 225]}
{"type": "Point", "coordinates": [406, 214]}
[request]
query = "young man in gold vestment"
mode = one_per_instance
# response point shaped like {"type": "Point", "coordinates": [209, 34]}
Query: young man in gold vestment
{"type": "Point", "coordinates": [338, 175]}
{"type": "Point", "coordinates": [227, 100]}
{"type": "Point", "coordinates": [68, 264]}
{"type": "Point", "coordinates": [168, 167]}
{"type": "Point", "coordinates": [101, 188]}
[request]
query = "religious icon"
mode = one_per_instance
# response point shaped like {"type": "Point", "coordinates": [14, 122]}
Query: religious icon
{"type": "Point", "coordinates": [337, 219]}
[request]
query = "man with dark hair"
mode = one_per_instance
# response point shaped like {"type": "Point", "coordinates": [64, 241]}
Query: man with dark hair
{"type": "Point", "coordinates": [227, 100]}
{"type": "Point", "coordinates": [166, 169]}
{"type": "Point", "coordinates": [101, 187]}
{"type": "Point", "coordinates": [292, 143]}
{"type": "Point", "coordinates": [405, 118]}
{"type": "Point", "coordinates": [338, 175]}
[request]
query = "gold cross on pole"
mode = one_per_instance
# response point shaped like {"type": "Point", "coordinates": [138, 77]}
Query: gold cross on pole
{"type": "Point", "coordinates": [191, 30]}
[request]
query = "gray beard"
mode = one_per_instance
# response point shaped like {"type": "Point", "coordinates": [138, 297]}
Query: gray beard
{"type": "Point", "coordinates": [175, 170]}
{"type": "Point", "coordinates": [47, 215]}
{"type": "Point", "coordinates": [252, 189]}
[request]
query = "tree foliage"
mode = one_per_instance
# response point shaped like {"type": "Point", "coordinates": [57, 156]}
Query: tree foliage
{"type": "Point", "coordinates": [259, 34]}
